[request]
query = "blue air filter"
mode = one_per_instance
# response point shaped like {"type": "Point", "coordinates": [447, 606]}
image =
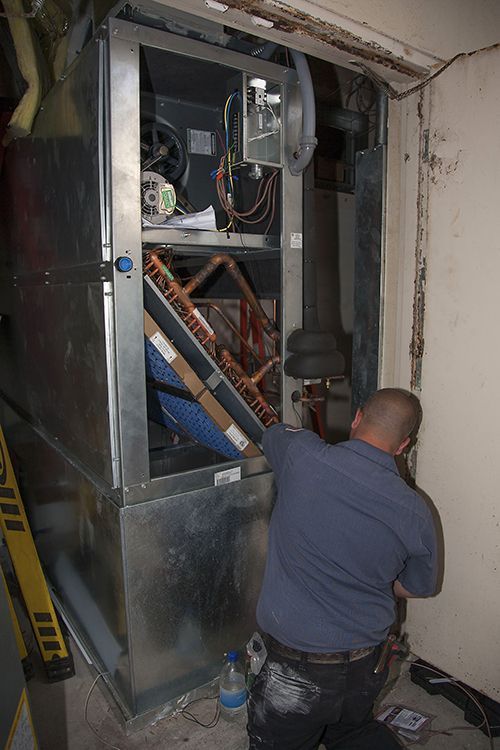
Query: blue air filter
{"type": "Point", "coordinates": [181, 413]}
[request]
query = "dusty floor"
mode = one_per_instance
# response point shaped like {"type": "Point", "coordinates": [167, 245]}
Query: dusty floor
{"type": "Point", "coordinates": [58, 712]}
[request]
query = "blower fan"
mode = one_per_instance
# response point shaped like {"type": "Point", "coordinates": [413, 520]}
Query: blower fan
{"type": "Point", "coordinates": [162, 148]}
{"type": "Point", "coordinates": [158, 197]}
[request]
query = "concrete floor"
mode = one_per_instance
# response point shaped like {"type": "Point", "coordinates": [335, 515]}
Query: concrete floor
{"type": "Point", "coordinates": [58, 713]}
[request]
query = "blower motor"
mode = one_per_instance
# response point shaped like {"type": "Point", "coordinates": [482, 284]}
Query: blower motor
{"type": "Point", "coordinates": [158, 197]}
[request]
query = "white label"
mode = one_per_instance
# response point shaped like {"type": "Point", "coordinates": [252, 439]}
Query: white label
{"type": "Point", "coordinates": [403, 718]}
{"type": "Point", "coordinates": [163, 347]}
{"type": "Point", "coordinates": [409, 720]}
{"type": "Point", "coordinates": [203, 321]}
{"type": "Point", "coordinates": [225, 477]}
{"type": "Point", "coordinates": [201, 142]}
{"type": "Point", "coordinates": [236, 437]}
{"type": "Point", "coordinates": [296, 239]}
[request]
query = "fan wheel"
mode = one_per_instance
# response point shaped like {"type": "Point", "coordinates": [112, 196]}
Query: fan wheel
{"type": "Point", "coordinates": [163, 150]}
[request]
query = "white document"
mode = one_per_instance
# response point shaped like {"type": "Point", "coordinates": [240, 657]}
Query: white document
{"type": "Point", "coordinates": [201, 220]}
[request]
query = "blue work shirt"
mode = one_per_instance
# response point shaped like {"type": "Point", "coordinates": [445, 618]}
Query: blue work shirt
{"type": "Point", "coordinates": [345, 526]}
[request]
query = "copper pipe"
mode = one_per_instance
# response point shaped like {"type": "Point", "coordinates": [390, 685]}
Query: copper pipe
{"type": "Point", "coordinates": [257, 376]}
{"type": "Point", "coordinates": [173, 285]}
{"type": "Point", "coordinates": [247, 381]}
{"type": "Point", "coordinates": [232, 327]}
{"type": "Point", "coordinates": [232, 268]}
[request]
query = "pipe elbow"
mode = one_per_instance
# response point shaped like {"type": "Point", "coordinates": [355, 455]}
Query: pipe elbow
{"type": "Point", "coordinates": [303, 157]}
{"type": "Point", "coordinates": [308, 141]}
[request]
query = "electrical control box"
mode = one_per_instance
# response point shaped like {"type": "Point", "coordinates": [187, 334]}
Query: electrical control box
{"type": "Point", "coordinates": [262, 121]}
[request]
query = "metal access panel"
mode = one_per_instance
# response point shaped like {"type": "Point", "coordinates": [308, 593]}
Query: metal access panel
{"type": "Point", "coordinates": [204, 556]}
{"type": "Point", "coordinates": [53, 340]}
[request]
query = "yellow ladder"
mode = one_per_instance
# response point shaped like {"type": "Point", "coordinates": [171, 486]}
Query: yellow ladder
{"type": "Point", "coordinates": [57, 660]}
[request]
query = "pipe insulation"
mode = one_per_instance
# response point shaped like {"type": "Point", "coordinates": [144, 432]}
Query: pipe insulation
{"type": "Point", "coordinates": [307, 141]}
{"type": "Point", "coordinates": [21, 122]}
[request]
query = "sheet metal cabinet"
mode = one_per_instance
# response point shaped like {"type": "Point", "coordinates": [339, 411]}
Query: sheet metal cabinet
{"type": "Point", "coordinates": [157, 572]}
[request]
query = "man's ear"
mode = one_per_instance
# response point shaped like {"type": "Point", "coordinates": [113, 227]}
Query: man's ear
{"type": "Point", "coordinates": [402, 446]}
{"type": "Point", "coordinates": [357, 419]}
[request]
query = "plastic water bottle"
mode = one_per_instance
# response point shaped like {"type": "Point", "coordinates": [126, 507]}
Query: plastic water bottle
{"type": "Point", "coordinates": [232, 686]}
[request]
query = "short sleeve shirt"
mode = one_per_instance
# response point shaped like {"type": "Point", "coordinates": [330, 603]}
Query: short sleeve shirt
{"type": "Point", "coordinates": [345, 526]}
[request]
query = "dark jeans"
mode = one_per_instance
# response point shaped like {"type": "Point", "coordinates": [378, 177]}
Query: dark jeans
{"type": "Point", "coordinates": [296, 705]}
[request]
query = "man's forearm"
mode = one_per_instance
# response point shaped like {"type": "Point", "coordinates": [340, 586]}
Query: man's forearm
{"type": "Point", "coordinates": [401, 592]}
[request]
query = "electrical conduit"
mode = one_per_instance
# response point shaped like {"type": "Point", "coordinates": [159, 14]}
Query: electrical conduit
{"type": "Point", "coordinates": [308, 141]}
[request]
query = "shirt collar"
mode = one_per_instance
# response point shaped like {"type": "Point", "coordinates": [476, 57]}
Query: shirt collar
{"type": "Point", "coordinates": [371, 452]}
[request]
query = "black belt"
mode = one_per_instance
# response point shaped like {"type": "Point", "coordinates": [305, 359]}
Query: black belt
{"type": "Point", "coordinates": [335, 657]}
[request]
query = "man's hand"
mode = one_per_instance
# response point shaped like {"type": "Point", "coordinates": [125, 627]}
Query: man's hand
{"type": "Point", "coordinates": [401, 592]}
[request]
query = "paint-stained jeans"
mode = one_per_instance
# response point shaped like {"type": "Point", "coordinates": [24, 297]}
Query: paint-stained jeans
{"type": "Point", "coordinates": [295, 706]}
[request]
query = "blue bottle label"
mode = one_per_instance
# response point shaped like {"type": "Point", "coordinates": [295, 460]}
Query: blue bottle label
{"type": "Point", "coordinates": [232, 699]}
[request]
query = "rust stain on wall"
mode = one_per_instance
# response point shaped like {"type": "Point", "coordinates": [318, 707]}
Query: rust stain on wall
{"type": "Point", "coordinates": [293, 21]}
{"type": "Point", "coordinates": [417, 339]}
{"type": "Point", "coordinates": [442, 167]}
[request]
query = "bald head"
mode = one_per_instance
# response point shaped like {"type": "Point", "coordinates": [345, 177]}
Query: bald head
{"type": "Point", "coordinates": [387, 419]}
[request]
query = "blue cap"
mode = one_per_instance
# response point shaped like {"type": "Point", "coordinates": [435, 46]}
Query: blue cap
{"type": "Point", "coordinates": [124, 264]}
{"type": "Point", "coordinates": [232, 656]}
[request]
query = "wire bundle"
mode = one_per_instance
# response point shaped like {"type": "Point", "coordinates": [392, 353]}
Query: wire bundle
{"type": "Point", "coordinates": [264, 206]}
{"type": "Point", "coordinates": [265, 202]}
{"type": "Point", "coordinates": [365, 94]}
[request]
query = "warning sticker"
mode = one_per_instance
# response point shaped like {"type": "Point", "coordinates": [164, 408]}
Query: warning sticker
{"type": "Point", "coordinates": [163, 346]}
{"type": "Point", "coordinates": [204, 322]}
{"type": "Point", "coordinates": [236, 437]}
{"type": "Point", "coordinates": [201, 142]}
{"type": "Point", "coordinates": [225, 477]}
{"type": "Point", "coordinates": [296, 239]}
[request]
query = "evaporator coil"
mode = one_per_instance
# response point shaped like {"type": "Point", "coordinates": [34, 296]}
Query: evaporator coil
{"type": "Point", "coordinates": [158, 197]}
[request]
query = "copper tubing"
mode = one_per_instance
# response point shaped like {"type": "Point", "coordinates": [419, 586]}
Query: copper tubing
{"type": "Point", "coordinates": [232, 268]}
{"type": "Point", "coordinates": [232, 327]}
{"type": "Point", "coordinates": [257, 376]}
{"type": "Point", "coordinates": [179, 292]}
{"type": "Point", "coordinates": [247, 381]}
{"type": "Point", "coordinates": [174, 292]}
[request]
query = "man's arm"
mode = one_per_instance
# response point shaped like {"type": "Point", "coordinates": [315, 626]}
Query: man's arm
{"type": "Point", "coordinates": [419, 576]}
{"type": "Point", "coordinates": [275, 443]}
{"type": "Point", "coordinates": [401, 593]}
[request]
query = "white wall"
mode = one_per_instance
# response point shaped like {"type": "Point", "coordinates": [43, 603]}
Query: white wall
{"type": "Point", "coordinates": [458, 464]}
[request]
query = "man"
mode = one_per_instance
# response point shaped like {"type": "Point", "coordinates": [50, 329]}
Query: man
{"type": "Point", "coordinates": [347, 536]}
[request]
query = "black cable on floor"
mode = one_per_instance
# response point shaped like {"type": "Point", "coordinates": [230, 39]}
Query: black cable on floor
{"type": "Point", "coordinates": [191, 717]}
